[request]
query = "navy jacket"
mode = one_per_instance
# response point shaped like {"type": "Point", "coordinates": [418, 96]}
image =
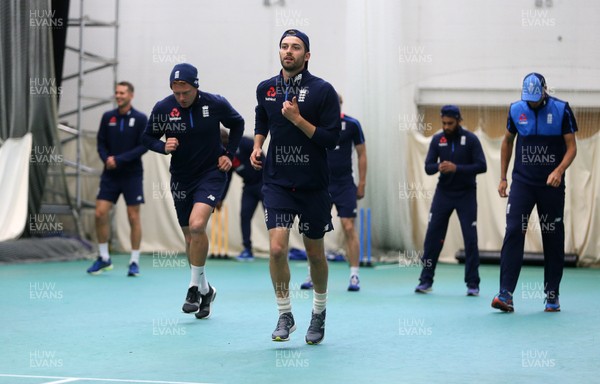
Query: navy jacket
{"type": "Point", "coordinates": [121, 136]}
{"type": "Point", "coordinates": [540, 144]}
{"type": "Point", "coordinates": [198, 130]}
{"type": "Point", "coordinates": [340, 158]}
{"type": "Point", "coordinates": [293, 160]}
{"type": "Point", "coordinates": [463, 149]}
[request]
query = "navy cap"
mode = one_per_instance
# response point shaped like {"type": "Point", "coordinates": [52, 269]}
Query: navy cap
{"type": "Point", "coordinates": [451, 111]}
{"type": "Point", "coordinates": [296, 33]}
{"type": "Point", "coordinates": [184, 72]}
{"type": "Point", "coordinates": [533, 87]}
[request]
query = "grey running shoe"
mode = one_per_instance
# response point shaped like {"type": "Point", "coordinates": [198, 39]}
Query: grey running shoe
{"type": "Point", "coordinates": [192, 300]}
{"type": "Point", "coordinates": [316, 330]}
{"type": "Point", "coordinates": [205, 303]}
{"type": "Point", "coordinates": [285, 326]}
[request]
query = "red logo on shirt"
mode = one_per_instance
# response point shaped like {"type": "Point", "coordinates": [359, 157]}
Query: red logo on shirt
{"type": "Point", "coordinates": [523, 119]}
{"type": "Point", "coordinates": [443, 141]}
{"type": "Point", "coordinates": [271, 92]}
{"type": "Point", "coordinates": [174, 112]}
{"type": "Point", "coordinates": [112, 121]}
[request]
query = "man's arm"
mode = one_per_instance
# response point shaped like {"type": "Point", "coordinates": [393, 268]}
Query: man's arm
{"type": "Point", "coordinates": [431, 160]}
{"type": "Point", "coordinates": [361, 152]}
{"type": "Point", "coordinates": [505, 155]}
{"type": "Point", "coordinates": [153, 133]}
{"type": "Point", "coordinates": [137, 151]}
{"type": "Point", "coordinates": [555, 178]}
{"type": "Point", "coordinates": [328, 133]}
{"type": "Point", "coordinates": [257, 153]}
{"type": "Point", "coordinates": [479, 165]}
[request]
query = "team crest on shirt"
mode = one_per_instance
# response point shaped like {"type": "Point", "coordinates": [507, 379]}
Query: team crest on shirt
{"type": "Point", "coordinates": [443, 142]}
{"type": "Point", "coordinates": [523, 119]}
{"type": "Point", "coordinates": [205, 111]}
{"type": "Point", "coordinates": [549, 119]}
{"type": "Point", "coordinates": [112, 122]}
{"type": "Point", "coordinates": [174, 115]}
{"type": "Point", "coordinates": [302, 95]}
{"type": "Point", "coordinates": [343, 125]}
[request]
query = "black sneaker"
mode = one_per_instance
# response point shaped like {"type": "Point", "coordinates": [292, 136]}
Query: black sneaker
{"type": "Point", "coordinates": [206, 301]}
{"type": "Point", "coordinates": [192, 300]}
{"type": "Point", "coordinates": [316, 330]}
{"type": "Point", "coordinates": [285, 326]}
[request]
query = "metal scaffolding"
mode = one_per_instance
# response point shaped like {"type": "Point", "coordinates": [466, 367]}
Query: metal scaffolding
{"type": "Point", "coordinates": [87, 62]}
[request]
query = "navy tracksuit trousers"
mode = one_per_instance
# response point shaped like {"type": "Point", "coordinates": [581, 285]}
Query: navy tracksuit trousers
{"type": "Point", "coordinates": [444, 203]}
{"type": "Point", "coordinates": [550, 203]}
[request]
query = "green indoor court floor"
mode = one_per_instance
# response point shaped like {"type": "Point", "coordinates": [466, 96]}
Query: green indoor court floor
{"type": "Point", "coordinates": [60, 325]}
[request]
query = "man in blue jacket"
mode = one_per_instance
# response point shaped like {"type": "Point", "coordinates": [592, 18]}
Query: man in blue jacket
{"type": "Point", "coordinates": [119, 144]}
{"type": "Point", "coordinates": [251, 194]}
{"type": "Point", "coordinates": [190, 120]}
{"type": "Point", "coordinates": [302, 114]}
{"type": "Point", "coordinates": [457, 154]}
{"type": "Point", "coordinates": [545, 130]}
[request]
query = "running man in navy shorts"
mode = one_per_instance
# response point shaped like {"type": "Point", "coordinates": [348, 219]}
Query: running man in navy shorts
{"type": "Point", "coordinates": [344, 193]}
{"type": "Point", "coordinates": [302, 114]}
{"type": "Point", "coordinates": [544, 127]}
{"type": "Point", "coordinates": [191, 120]}
{"type": "Point", "coordinates": [119, 143]}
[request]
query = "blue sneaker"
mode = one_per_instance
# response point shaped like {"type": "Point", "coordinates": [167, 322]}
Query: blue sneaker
{"type": "Point", "coordinates": [354, 285]}
{"type": "Point", "coordinates": [552, 303]}
{"type": "Point", "coordinates": [134, 269]}
{"type": "Point", "coordinates": [308, 284]}
{"type": "Point", "coordinates": [503, 301]}
{"type": "Point", "coordinates": [100, 266]}
{"type": "Point", "coordinates": [246, 255]}
{"type": "Point", "coordinates": [424, 288]}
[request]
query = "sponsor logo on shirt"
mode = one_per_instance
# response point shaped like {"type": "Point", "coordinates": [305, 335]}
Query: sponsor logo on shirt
{"type": "Point", "coordinates": [549, 119]}
{"type": "Point", "coordinates": [443, 142]}
{"type": "Point", "coordinates": [205, 111]}
{"type": "Point", "coordinates": [131, 121]}
{"type": "Point", "coordinates": [523, 119]}
{"type": "Point", "coordinates": [112, 122]}
{"type": "Point", "coordinates": [271, 93]}
{"type": "Point", "coordinates": [174, 115]}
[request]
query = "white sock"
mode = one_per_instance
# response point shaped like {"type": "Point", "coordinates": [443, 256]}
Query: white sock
{"type": "Point", "coordinates": [135, 256]}
{"type": "Point", "coordinates": [353, 271]}
{"type": "Point", "coordinates": [201, 280]}
{"type": "Point", "coordinates": [195, 276]}
{"type": "Point", "coordinates": [319, 302]}
{"type": "Point", "coordinates": [284, 305]}
{"type": "Point", "coordinates": [103, 249]}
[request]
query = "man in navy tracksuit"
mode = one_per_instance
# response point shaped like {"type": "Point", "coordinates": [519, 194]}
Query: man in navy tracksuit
{"type": "Point", "coordinates": [190, 120]}
{"type": "Point", "coordinates": [457, 154]}
{"type": "Point", "coordinates": [302, 114]}
{"type": "Point", "coordinates": [545, 130]}
{"type": "Point", "coordinates": [251, 194]}
{"type": "Point", "coordinates": [119, 143]}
